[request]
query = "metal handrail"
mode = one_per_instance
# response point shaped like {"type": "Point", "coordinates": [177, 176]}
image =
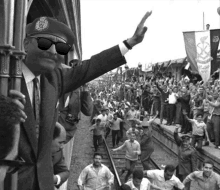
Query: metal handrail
{"type": "Point", "coordinates": [155, 164]}
{"type": "Point", "coordinates": [112, 163]}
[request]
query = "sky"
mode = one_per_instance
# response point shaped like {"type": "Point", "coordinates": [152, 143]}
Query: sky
{"type": "Point", "coordinates": [106, 23]}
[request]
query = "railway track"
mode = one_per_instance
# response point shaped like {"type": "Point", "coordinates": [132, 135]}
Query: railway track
{"type": "Point", "coordinates": [115, 161]}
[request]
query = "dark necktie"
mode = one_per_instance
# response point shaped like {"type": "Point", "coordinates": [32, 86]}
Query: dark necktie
{"type": "Point", "coordinates": [36, 104]}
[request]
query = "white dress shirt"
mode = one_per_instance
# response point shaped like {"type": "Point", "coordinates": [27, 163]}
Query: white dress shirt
{"type": "Point", "coordinates": [103, 118]}
{"type": "Point", "coordinates": [93, 179]}
{"type": "Point", "coordinates": [157, 178]}
{"type": "Point", "coordinates": [203, 183]}
{"type": "Point", "coordinates": [172, 98]}
{"type": "Point", "coordinates": [145, 184]}
{"type": "Point", "coordinates": [131, 115]}
{"type": "Point", "coordinates": [123, 49]}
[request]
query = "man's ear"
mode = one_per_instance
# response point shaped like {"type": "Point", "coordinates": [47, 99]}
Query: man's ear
{"type": "Point", "coordinates": [26, 42]}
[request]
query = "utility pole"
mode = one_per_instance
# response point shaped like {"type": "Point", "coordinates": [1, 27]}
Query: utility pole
{"type": "Point", "coordinates": [203, 20]}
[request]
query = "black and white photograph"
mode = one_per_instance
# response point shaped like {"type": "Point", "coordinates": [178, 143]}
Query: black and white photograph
{"type": "Point", "coordinates": [109, 95]}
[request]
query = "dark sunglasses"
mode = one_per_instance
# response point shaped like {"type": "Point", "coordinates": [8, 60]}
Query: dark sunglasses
{"type": "Point", "coordinates": [14, 165]}
{"type": "Point", "coordinates": [45, 44]}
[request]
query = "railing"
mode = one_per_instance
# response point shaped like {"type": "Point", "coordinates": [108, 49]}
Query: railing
{"type": "Point", "coordinates": [112, 164]}
{"type": "Point", "coordinates": [154, 164]}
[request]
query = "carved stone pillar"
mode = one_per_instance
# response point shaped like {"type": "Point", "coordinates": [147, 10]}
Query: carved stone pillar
{"type": "Point", "coordinates": [5, 52]}
{"type": "Point", "coordinates": [7, 22]}
{"type": "Point", "coordinates": [16, 69]}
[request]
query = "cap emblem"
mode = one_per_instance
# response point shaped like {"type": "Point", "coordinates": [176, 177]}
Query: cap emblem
{"type": "Point", "coordinates": [42, 24]}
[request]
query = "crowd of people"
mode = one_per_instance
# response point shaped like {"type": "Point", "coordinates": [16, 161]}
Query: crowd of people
{"type": "Point", "coordinates": [112, 114]}
{"type": "Point", "coordinates": [178, 102]}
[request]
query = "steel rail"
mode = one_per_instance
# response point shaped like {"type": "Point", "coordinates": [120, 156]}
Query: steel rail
{"type": "Point", "coordinates": [155, 165]}
{"type": "Point", "coordinates": [112, 163]}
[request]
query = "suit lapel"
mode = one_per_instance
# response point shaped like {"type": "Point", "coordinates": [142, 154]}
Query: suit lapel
{"type": "Point", "coordinates": [29, 124]}
{"type": "Point", "coordinates": [48, 103]}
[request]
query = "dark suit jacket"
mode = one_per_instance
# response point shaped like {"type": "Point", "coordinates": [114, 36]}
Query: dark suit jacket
{"type": "Point", "coordinates": [164, 95]}
{"type": "Point", "coordinates": [86, 103]}
{"type": "Point", "coordinates": [73, 108]}
{"type": "Point", "coordinates": [60, 167]}
{"type": "Point", "coordinates": [187, 157]}
{"type": "Point", "coordinates": [53, 86]}
{"type": "Point", "coordinates": [78, 102]}
{"type": "Point", "coordinates": [185, 102]}
{"type": "Point", "coordinates": [74, 103]}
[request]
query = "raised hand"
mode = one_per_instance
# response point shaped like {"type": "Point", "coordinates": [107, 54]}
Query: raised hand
{"type": "Point", "coordinates": [139, 32]}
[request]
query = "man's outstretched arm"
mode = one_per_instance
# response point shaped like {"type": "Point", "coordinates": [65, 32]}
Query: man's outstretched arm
{"type": "Point", "coordinates": [100, 63]}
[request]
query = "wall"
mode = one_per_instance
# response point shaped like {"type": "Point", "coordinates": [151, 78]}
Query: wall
{"type": "Point", "coordinates": [163, 135]}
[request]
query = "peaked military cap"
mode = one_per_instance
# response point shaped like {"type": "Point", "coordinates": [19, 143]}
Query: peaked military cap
{"type": "Point", "coordinates": [48, 25]}
{"type": "Point", "coordinates": [183, 136]}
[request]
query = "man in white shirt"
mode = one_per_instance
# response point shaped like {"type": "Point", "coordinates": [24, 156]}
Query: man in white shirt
{"type": "Point", "coordinates": [138, 182]}
{"type": "Point", "coordinates": [109, 115]}
{"type": "Point", "coordinates": [132, 113]}
{"type": "Point", "coordinates": [115, 127]}
{"type": "Point", "coordinates": [172, 99]}
{"type": "Point", "coordinates": [206, 179]}
{"type": "Point", "coordinates": [165, 179]}
{"type": "Point", "coordinates": [198, 130]}
{"type": "Point", "coordinates": [95, 176]}
{"type": "Point", "coordinates": [133, 129]}
{"type": "Point", "coordinates": [103, 116]}
{"type": "Point", "coordinates": [133, 150]}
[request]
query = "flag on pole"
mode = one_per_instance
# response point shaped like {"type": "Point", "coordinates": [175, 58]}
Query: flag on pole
{"type": "Point", "coordinates": [148, 67]}
{"type": "Point", "coordinates": [201, 49]}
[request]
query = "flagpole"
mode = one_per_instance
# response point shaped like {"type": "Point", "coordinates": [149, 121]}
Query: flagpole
{"type": "Point", "coordinates": [219, 16]}
{"type": "Point", "coordinates": [203, 21]}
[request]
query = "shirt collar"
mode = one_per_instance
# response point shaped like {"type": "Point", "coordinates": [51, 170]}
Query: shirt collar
{"type": "Point", "coordinates": [92, 166]}
{"type": "Point", "coordinates": [202, 176]}
{"type": "Point", "coordinates": [162, 176]}
{"type": "Point", "coordinates": [132, 185]}
{"type": "Point", "coordinates": [28, 75]}
{"type": "Point", "coordinates": [172, 178]}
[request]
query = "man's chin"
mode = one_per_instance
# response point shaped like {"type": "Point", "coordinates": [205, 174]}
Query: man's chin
{"type": "Point", "coordinates": [97, 164]}
{"type": "Point", "coordinates": [207, 173]}
{"type": "Point", "coordinates": [48, 61]}
{"type": "Point", "coordinates": [48, 65]}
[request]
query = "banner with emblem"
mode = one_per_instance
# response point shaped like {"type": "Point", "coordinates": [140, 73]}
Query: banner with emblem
{"type": "Point", "coordinates": [201, 49]}
{"type": "Point", "coordinates": [148, 67]}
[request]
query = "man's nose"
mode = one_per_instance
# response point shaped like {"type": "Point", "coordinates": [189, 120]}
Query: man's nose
{"type": "Point", "coordinates": [52, 49]}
